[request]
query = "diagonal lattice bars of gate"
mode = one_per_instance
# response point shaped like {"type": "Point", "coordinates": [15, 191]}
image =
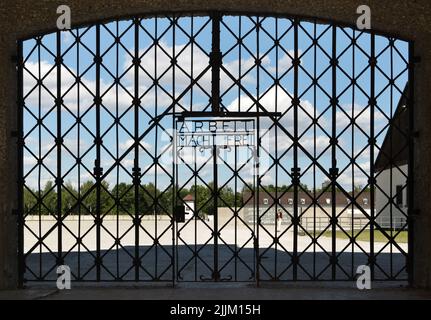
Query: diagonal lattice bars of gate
{"type": "Point", "coordinates": [326, 187]}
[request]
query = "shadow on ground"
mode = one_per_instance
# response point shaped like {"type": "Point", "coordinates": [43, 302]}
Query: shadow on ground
{"type": "Point", "coordinates": [196, 263]}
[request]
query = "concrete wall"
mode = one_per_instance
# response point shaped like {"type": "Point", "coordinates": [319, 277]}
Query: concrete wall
{"type": "Point", "coordinates": [23, 18]}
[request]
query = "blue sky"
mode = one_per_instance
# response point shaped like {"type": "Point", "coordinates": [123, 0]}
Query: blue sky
{"type": "Point", "coordinates": [193, 59]}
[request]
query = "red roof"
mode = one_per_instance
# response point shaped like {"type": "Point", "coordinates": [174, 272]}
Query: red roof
{"type": "Point", "coordinates": [189, 197]}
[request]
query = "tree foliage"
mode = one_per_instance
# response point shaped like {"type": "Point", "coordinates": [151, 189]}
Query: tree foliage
{"type": "Point", "coordinates": [120, 199]}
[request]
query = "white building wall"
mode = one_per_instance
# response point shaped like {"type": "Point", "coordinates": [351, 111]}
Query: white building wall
{"type": "Point", "coordinates": [314, 217]}
{"type": "Point", "coordinates": [391, 212]}
{"type": "Point", "coordinates": [190, 208]}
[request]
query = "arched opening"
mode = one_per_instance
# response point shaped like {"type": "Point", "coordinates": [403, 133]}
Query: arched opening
{"type": "Point", "coordinates": [215, 148]}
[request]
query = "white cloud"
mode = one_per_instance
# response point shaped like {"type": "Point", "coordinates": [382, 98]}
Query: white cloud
{"type": "Point", "coordinates": [307, 142]}
{"type": "Point", "coordinates": [155, 62]}
{"type": "Point", "coordinates": [277, 100]}
{"type": "Point", "coordinates": [187, 156]}
{"type": "Point", "coordinates": [29, 161]}
{"type": "Point", "coordinates": [359, 176]}
{"type": "Point", "coordinates": [362, 115]}
{"type": "Point", "coordinates": [153, 67]}
{"type": "Point", "coordinates": [49, 74]}
{"type": "Point", "coordinates": [86, 99]}
{"type": "Point", "coordinates": [73, 143]}
{"type": "Point", "coordinates": [128, 143]}
{"type": "Point", "coordinates": [199, 63]}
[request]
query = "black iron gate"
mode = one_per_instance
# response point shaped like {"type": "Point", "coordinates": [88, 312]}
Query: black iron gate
{"type": "Point", "coordinates": [218, 256]}
{"type": "Point", "coordinates": [219, 147]}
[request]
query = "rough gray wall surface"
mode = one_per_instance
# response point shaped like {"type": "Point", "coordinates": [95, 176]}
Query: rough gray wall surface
{"type": "Point", "coordinates": [23, 18]}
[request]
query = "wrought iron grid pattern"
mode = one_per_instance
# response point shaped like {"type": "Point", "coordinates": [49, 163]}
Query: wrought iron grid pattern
{"type": "Point", "coordinates": [79, 104]}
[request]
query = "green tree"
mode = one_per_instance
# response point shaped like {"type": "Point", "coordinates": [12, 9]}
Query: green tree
{"type": "Point", "coordinates": [147, 193]}
{"type": "Point", "coordinates": [304, 187]}
{"type": "Point", "coordinates": [107, 201]}
{"type": "Point", "coordinates": [126, 193]}
{"type": "Point", "coordinates": [90, 200]}
{"type": "Point", "coordinates": [30, 201]}
{"type": "Point", "coordinates": [49, 196]}
{"type": "Point", "coordinates": [69, 197]}
{"type": "Point", "coordinates": [228, 197]}
{"type": "Point", "coordinates": [203, 199]}
{"type": "Point", "coordinates": [167, 197]}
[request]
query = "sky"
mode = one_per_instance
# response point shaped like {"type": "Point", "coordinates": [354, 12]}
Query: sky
{"type": "Point", "coordinates": [239, 62]}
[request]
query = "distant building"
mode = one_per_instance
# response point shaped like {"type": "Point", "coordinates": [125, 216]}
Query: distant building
{"type": "Point", "coordinates": [313, 214]}
{"type": "Point", "coordinates": [391, 170]}
{"type": "Point", "coordinates": [189, 202]}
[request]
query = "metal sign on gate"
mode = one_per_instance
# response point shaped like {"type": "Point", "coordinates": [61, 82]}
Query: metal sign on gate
{"type": "Point", "coordinates": [219, 132]}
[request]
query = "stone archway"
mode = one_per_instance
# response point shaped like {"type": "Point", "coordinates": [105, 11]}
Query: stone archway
{"type": "Point", "coordinates": [407, 20]}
